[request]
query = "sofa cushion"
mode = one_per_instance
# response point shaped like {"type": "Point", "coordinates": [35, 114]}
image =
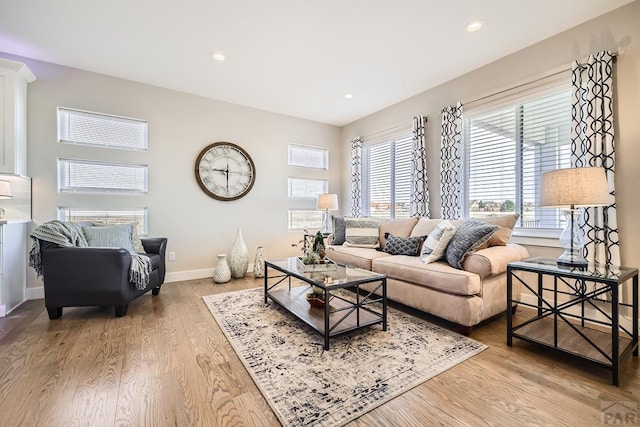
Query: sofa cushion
{"type": "Point", "coordinates": [437, 275]}
{"type": "Point", "coordinates": [354, 256]}
{"type": "Point", "coordinates": [505, 225]}
{"type": "Point", "coordinates": [339, 228]}
{"type": "Point", "coordinates": [402, 245]}
{"type": "Point", "coordinates": [424, 226]}
{"type": "Point", "coordinates": [361, 232]}
{"type": "Point", "coordinates": [397, 227]}
{"type": "Point", "coordinates": [468, 237]}
{"type": "Point", "coordinates": [434, 247]}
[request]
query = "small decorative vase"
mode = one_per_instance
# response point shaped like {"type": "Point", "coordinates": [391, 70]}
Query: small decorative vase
{"type": "Point", "coordinates": [222, 274]}
{"type": "Point", "coordinates": [238, 257]}
{"type": "Point", "coordinates": [258, 264]}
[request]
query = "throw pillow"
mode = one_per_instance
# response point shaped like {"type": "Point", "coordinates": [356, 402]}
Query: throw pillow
{"type": "Point", "coordinates": [397, 245]}
{"type": "Point", "coordinates": [135, 239]}
{"type": "Point", "coordinates": [437, 241]}
{"type": "Point", "coordinates": [339, 228]}
{"type": "Point", "coordinates": [470, 236]}
{"type": "Point", "coordinates": [111, 236]}
{"type": "Point", "coordinates": [505, 225]}
{"type": "Point", "coordinates": [361, 232]}
{"type": "Point", "coordinates": [397, 227]}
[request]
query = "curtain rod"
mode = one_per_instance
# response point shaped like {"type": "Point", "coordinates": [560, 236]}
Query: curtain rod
{"type": "Point", "coordinates": [564, 70]}
{"type": "Point", "coordinates": [391, 128]}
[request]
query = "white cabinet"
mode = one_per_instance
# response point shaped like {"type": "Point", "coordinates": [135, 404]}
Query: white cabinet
{"type": "Point", "coordinates": [13, 265]}
{"type": "Point", "coordinates": [14, 77]}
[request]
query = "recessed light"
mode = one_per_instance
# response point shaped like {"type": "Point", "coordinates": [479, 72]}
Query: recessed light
{"type": "Point", "coordinates": [348, 96]}
{"type": "Point", "coordinates": [474, 26]}
{"type": "Point", "coordinates": [218, 56]}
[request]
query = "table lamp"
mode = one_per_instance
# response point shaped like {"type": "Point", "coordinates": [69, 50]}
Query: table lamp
{"type": "Point", "coordinates": [572, 189]}
{"type": "Point", "coordinates": [327, 202]}
{"type": "Point", "coordinates": [5, 193]}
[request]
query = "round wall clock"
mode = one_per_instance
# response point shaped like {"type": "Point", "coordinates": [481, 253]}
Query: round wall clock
{"type": "Point", "coordinates": [225, 171]}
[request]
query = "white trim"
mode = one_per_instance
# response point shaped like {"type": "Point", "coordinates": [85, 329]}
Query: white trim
{"type": "Point", "coordinates": [205, 273]}
{"type": "Point", "coordinates": [35, 293]}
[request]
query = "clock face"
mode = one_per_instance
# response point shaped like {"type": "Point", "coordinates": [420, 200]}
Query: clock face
{"type": "Point", "coordinates": [225, 171]}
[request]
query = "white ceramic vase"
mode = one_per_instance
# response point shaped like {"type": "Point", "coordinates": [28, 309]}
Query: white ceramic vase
{"type": "Point", "coordinates": [258, 264]}
{"type": "Point", "coordinates": [222, 274]}
{"type": "Point", "coordinates": [238, 257]}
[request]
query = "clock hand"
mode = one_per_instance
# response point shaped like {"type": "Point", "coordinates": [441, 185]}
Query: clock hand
{"type": "Point", "coordinates": [227, 175]}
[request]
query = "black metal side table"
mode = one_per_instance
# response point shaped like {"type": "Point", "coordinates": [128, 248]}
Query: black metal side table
{"type": "Point", "coordinates": [577, 311]}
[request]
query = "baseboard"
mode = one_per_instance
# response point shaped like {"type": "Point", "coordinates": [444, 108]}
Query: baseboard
{"type": "Point", "coordinates": [35, 293]}
{"type": "Point", "coordinates": [179, 276]}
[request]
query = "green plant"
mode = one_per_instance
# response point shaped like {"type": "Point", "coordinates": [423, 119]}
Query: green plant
{"type": "Point", "coordinates": [318, 242]}
{"type": "Point", "coordinates": [310, 258]}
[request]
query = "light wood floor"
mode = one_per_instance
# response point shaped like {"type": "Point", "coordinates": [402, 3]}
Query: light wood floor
{"type": "Point", "coordinates": [168, 364]}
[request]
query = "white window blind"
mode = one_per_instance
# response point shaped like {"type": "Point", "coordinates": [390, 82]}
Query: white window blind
{"type": "Point", "coordinates": [106, 216]}
{"type": "Point", "coordinates": [306, 188]}
{"type": "Point", "coordinates": [103, 130]}
{"type": "Point", "coordinates": [99, 177]}
{"type": "Point", "coordinates": [387, 177]}
{"type": "Point", "coordinates": [508, 148]}
{"type": "Point", "coordinates": [308, 157]}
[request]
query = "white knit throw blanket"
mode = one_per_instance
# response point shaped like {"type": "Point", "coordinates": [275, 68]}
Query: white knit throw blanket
{"type": "Point", "coordinates": [69, 234]}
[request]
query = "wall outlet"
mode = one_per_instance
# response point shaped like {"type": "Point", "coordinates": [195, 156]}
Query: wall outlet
{"type": "Point", "coordinates": [172, 256]}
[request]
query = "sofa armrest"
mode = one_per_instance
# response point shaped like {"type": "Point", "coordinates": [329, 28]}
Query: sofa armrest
{"type": "Point", "coordinates": [154, 245]}
{"type": "Point", "coordinates": [494, 259]}
{"type": "Point", "coordinates": [157, 245]}
{"type": "Point", "coordinates": [82, 268]}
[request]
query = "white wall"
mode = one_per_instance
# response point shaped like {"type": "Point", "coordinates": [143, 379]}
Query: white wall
{"type": "Point", "coordinates": [180, 126]}
{"type": "Point", "coordinates": [617, 30]}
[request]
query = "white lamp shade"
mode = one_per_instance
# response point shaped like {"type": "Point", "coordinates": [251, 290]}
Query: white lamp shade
{"type": "Point", "coordinates": [327, 201]}
{"type": "Point", "coordinates": [574, 187]}
{"type": "Point", "coordinates": [5, 190]}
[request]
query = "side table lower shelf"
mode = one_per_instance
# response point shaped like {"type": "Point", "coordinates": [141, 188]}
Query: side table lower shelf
{"type": "Point", "coordinates": [561, 297]}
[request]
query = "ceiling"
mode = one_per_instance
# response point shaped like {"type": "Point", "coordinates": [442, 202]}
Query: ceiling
{"type": "Point", "coordinates": [293, 57]}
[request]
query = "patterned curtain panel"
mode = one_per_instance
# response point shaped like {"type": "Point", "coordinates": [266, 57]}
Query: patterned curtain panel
{"type": "Point", "coordinates": [419, 183]}
{"type": "Point", "coordinates": [356, 177]}
{"type": "Point", "coordinates": [592, 144]}
{"type": "Point", "coordinates": [451, 169]}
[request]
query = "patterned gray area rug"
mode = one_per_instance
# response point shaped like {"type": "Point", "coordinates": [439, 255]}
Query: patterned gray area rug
{"type": "Point", "coordinates": [305, 385]}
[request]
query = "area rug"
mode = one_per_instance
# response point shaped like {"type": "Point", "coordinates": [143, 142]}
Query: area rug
{"type": "Point", "coordinates": [306, 385]}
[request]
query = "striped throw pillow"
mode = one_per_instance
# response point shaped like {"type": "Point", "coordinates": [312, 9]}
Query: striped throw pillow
{"type": "Point", "coordinates": [361, 232]}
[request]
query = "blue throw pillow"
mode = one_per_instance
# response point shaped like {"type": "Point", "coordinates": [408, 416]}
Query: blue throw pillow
{"type": "Point", "coordinates": [111, 236]}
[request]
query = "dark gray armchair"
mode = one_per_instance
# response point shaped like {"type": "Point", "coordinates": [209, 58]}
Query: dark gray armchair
{"type": "Point", "coordinates": [90, 276]}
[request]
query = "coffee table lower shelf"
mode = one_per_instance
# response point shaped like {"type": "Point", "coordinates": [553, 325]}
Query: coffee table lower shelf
{"type": "Point", "coordinates": [295, 301]}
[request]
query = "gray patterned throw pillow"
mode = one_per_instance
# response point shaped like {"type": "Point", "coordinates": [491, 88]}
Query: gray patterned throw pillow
{"type": "Point", "coordinates": [402, 245]}
{"type": "Point", "coordinates": [339, 228]}
{"type": "Point", "coordinates": [469, 236]}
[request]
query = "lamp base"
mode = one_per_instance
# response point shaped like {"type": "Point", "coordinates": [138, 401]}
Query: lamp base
{"type": "Point", "coordinates": [326, 222]}
{"type": "Point", "coordinates": [572, 258]}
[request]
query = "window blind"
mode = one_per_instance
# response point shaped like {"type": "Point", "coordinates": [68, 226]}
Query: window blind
{"type": "Point", "coordinates": [387, 177]}
{"type": "Point", "coordinates": [508, 149]}
{"type": "Point", "coordinates": [97, 129]}
{"type": "Point", "coordinates": [306, 188]}
{"type": "Point", "coordinates": [99, 177]}
{"type": "Point", "coordinates": [308, 157]}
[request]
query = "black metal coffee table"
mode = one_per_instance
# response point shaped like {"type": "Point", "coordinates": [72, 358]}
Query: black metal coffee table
{"type": "Point", "coordinates": [341, 312]}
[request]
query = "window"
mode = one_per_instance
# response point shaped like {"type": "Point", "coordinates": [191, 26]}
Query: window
{"type": "Point", "coordinates": [305, 188]}
{"type": "Point", "coordinates": [305, 219]}
{"type": "Point", "coordinates": [308, 157]}
{"type": "Point", "coordinates": [386, 178]}
{"type": "Point", "coordinates": [302, 191]}
{"type": "Point", "coordinates": [106, 216]}
{"type": "Point", "coordinates": [509, 147]}
{"type": "Point", "coordinates": [98, 177]}
{"type": "Point", "coordinates": [103, 130]}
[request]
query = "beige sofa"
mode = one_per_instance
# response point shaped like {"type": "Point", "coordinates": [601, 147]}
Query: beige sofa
{"type": "Point", "coordinates": [464, 296]}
